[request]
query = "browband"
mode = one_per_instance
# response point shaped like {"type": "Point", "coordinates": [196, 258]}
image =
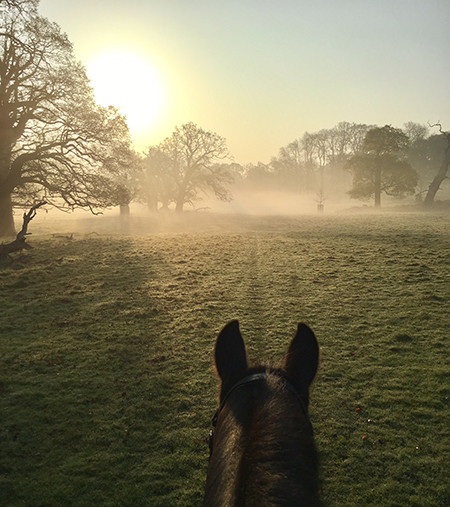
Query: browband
{"type": "Point", "coordinates": [253, 378]}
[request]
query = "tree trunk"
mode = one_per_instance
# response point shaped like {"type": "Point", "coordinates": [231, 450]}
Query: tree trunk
{"type": "Point", "coordinates": [378, 187]}
{"type": "Point", "coordinates": [124, 210]}
{"type": "Point", "coordinates": [152, 196]}
{"type": "Point", "coordinates": [432, 190]}
{"type": "Point", "coordinates": [180, 200]}
{"type": "Point", "coordinates": [6, 216]}
{"type": "Point", "coordinates": [440, 177]}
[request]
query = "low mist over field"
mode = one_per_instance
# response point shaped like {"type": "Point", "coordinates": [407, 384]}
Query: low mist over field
{"type": "Point", "coordinates": [244, 212]}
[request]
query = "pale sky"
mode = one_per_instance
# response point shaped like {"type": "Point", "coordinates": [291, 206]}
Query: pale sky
{"type": "Point", "coordinates": [262, 72]}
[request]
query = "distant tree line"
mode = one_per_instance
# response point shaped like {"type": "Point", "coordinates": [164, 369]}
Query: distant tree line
{"type": "Point", "coordinates": [58, 146]}
{"type": "Point", "coordinates": [362, 161]}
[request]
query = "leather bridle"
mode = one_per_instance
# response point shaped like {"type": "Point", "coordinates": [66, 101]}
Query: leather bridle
{"type": "Point", "coordinates": [244, 382]}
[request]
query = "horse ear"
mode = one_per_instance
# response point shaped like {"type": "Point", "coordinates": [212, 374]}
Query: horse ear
{"type": "Point", "coordinates": [230, 355]}
{"type": "Point", "coordinates": [302, 359]}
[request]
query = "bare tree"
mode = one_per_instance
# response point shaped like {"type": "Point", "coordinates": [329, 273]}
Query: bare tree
{"type": "Point", "coordinates": [20, 3]}
{"type": "Point", "coordinates": [56, 143]}
{"type": "Point", "coordinates": [188, 163]}
{"type": "Point", "coordinates": [20, 243]}
{"type": "Point", "coordinates": [291, 170]}
{"type": "Point", "coordinates": [415, 131]}
{"type": "Point", "coordinates": [158, 186]}
{"type": "Point", "coordinates": [349, 139]}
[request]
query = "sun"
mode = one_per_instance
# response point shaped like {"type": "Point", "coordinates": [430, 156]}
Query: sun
{"type": "Point", "coordinates": [128, 81]}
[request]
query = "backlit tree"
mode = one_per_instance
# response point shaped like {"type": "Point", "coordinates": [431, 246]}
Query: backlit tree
{"type": "Point", "coordinates": [378, 169]}
{"type": "Point", "coordinates": [56, 143]}
{"type": "Point", "coordinates": [187, 163]}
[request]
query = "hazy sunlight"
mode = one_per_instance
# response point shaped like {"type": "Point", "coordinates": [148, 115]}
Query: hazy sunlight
{"type": "Point", "coordinates": [127, 81]}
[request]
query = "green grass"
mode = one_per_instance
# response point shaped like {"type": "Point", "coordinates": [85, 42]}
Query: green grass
{"type": "Point", "coordinates": [106, 342]}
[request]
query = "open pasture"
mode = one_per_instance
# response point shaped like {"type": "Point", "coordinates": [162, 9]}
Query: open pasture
{"type": "Point", "coordinates": [106, 342]}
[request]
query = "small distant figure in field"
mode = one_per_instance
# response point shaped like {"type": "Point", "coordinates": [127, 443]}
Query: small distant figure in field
{"type": "Point", "coordinates": [262, 447]}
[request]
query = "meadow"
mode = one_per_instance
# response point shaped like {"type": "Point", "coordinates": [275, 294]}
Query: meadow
{"type": "Point", "coordinates": [106, 342]}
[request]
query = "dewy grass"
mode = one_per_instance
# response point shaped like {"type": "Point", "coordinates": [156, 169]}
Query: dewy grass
{"type": "Point", "coordinates": [106, 379]}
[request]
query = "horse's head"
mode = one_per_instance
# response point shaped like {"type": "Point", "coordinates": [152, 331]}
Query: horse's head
{"type": "Point", "coordinates": [263, 449]}
{"type": "Point", "coordinates": [300, 364]}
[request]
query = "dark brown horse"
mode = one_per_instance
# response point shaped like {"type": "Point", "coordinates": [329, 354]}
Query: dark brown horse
{"type": "Point", "coordinates": [262, 448]}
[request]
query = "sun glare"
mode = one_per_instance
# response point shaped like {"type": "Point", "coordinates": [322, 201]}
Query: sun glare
{"type": "Point", "coordinates": [127, 81]}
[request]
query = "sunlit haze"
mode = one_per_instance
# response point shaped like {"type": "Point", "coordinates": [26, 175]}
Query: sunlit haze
{"type": "Point", "coordinates": [261, 73]}
{"type": "Point", "coordinates": [124, 79]}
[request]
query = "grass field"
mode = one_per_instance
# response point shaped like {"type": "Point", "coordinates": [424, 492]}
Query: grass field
{"type": "Point", "coordinates": [106, 342]}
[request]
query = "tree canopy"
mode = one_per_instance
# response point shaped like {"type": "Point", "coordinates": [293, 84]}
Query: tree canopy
{"type": "Point", "coordinates": [56, 143]}
{"type": "Point", "coordinates": [378, 168]}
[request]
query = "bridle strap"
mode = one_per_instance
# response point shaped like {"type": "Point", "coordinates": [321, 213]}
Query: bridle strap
{"type": "Point", "coordinates": [246, 380]}
{"type": "Point", "coordinates": [249, 380]}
